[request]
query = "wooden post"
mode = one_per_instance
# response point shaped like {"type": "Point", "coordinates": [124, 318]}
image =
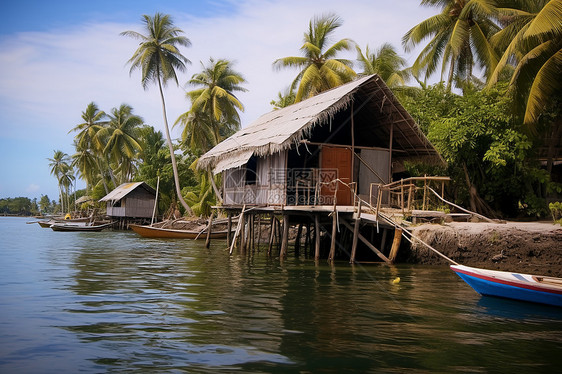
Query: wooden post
{"type": "Point", "coordinates": [259, 231]}
{"type": "Point", "coordinates": [298, 240]}
{"type": "Point", "coordinates": [271, 235]}
{"type": "Point", "coordinates": [334, 232]}
{"type": "Point", "coordinates": [237, 229]}
{"type": "Point", "coordinates": [285, 237]}
{"type": "Point", "coordinates": [209, 229]}
{"type": "Point", "coordinates": [395, 244]}
{"type": "Point", "coordinates": [242, 224]}
{"type": "Point", "coordinates": [355, 234]}
{"type": "Point", "coordinates": [424, 193]}
{"type": "Point", "coordinates": [307, 240]}
{"type": "Point", "coordinates": [229, 229]}
{"type": "Point", "coordinates": [316, 237]}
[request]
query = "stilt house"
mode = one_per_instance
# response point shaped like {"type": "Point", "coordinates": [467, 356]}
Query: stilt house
{"type": "Point", "coordinates": [331, 146]}
{"type": "Point", "coordinates": [130, 200]}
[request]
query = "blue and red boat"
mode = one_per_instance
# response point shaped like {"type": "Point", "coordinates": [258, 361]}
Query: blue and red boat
{"type": "Point", "coordinates": [526, 287]}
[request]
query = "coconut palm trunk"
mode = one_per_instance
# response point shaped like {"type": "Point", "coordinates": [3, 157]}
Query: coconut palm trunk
{"type": "Point", "coordinates": [171, 147]}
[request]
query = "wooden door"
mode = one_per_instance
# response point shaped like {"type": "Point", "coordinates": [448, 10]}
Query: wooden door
{"type": "Point", "coordinates": [336, 164]}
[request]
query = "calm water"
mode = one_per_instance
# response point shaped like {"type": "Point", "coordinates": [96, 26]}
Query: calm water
{"type": "Point", "coordinates": [114, 302]}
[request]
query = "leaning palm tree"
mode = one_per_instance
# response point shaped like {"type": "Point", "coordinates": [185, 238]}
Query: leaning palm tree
{"type": "Point", "coordinates": [158, 58]}
{"type": "Point", "coordinates": [532, 39]}
{"type": "Point", "coordinates": [320, 69]}
{"type": "Point", "coordinates": [459, 38]}
{"type": "Point", "coordinates": [214, 106]}
{"type": "Point", "coordinates": [59, 165]}
{"type": "Point", "coordinates": [385, 62]}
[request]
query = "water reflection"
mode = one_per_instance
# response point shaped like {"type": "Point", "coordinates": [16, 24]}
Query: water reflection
{"type": "Point", "coordinates": [115, 302]}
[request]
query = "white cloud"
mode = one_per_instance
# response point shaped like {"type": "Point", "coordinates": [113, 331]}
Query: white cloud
{"type": "Point", "coordinates": [48, 78]}
{"type": "Point", "coordinates": [32, 188]}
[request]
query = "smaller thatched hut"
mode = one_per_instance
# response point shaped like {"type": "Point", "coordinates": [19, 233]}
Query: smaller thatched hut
{"type": "Point", "coordinates": [130, 201]}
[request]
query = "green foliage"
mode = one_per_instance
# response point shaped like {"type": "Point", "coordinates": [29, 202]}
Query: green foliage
{"type": "Point", "coordinates": [22, 206]}
{"type": "Point", "coordinates": [556, 211]}
{"type": "Point", "coordinates": [477, 132]}
{"type": "Point", "coordinates": [201, 197]}
{"type": "Point", "coordinates": [155, 161]}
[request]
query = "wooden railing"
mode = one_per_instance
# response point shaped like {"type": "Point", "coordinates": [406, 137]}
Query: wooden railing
{"type": "Point", "coordinates": [402, 194]}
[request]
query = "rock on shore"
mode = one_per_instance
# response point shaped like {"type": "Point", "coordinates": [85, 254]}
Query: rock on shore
{"type": "Point", "coordinates": [524, 247]}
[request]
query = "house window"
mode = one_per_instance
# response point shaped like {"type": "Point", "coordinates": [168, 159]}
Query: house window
{"type": "Point", "coordinates": [251, 170]}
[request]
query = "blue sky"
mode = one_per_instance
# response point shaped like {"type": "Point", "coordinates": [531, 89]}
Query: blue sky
{"type": "Point", "coordinates": [57, 56]}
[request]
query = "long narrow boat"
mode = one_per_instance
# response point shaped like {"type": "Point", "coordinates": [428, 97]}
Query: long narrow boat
{"type": "Point", "coordinates": [526, 287]}
{"type": "Point", "coordinates": [79, 227]}
{"type": "Point", "coordinates": [158, 232]}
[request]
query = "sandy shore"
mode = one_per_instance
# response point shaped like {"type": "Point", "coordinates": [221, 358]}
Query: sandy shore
{"type": "Point", "coordinates": [525, 247]}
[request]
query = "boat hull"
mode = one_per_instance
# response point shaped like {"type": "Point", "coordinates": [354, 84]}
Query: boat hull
{"type": "Point", "coordinates": [161, 233]}
{"type": "Point", "coordinates": [75, 227]}
{"type": "Point", "coordinates": [525, 287]}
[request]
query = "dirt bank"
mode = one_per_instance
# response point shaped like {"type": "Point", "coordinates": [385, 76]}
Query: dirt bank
{"type": "Point", "coordinates": [534, 248]}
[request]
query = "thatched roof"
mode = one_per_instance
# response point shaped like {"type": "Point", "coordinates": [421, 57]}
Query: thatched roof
{"type": "Point", "coordinates": [281, 129]}
{"type": "Point", "coordinates": [125, 189]}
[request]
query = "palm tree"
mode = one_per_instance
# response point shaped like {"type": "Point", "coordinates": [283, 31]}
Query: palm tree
{"type": "Point", "coordinates": [532, 39]}
{"type": "Point", "coordinates": [320, 69]}
{"type": "Point", "coordinates": [122, 144]}
{"type": "Point", "coordinates": [385, 62]}
{"type": "Point", "coordinates": [59, 165]}
{"type": "Point", "coordinates": [214, 106]}
{"type": "Point", "coordinates": [158, 58]}
{"type": "Point", "coordinates": [89, 148]}
{"type": "Point", "coordinates": [284, 99]}
{"type": "Point", "coordinates": [459, 39]}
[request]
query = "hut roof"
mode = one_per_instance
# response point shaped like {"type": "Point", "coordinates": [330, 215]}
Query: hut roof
{"type": "Point", "coordinates": [126, 188]}
{"type": "Point", "coordinates": [280, 129]}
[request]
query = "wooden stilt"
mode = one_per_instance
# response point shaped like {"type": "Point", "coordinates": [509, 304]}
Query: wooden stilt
{"type": "Point", "coordinates": [259, 231]}
{"type": "Point", "coordinates": [298, 240]}
{"type": "Point", "coordinates": [355, 234]}
{"type": "Point", "coordinates": [395, 244]}
{"type": "Point", "coordinates": [334, 232]}
{"type": "Point", "coordinates": [242, 224]}
{"type": "Point", "coordinates": [307, 240]}
{"type": "Point", "coordinates": [368, 244]}
{"type": "Point", "coordinates": [238, 229]}
{"type": "Point", "coordinates": [316, 237]}
{"type": "Point", "coordinates": [271, 235]}
{"type": "Point", "coordinates": [285, 237]}
{"type": "Point", "coordinates": [209, 229]}
{"type": "Point", "coordinates": [229, 229]}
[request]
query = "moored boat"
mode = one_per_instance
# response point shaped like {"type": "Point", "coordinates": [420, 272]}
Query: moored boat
{"type": "Point", "coordinates": [159, 232]}
{"type": "Point", "coordinates": [79, 227]}
{"type": "Point", "coordinates": [525, 287]}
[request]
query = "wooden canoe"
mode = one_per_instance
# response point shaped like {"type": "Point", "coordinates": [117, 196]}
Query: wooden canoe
{"type": "Point", "coordinates": [157, 232]}
{"type": "Point", "coordinates": [525, 287]}
{"type": "Point", "coordinates": [79, 227]}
